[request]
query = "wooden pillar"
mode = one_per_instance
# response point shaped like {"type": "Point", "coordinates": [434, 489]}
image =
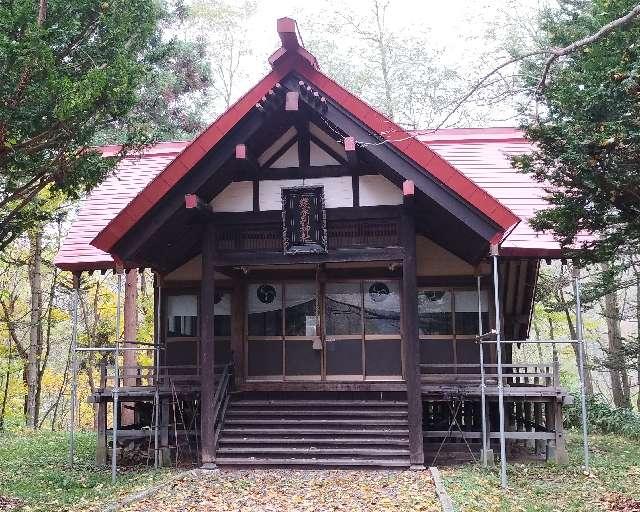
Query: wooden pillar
{"type": "Point", "coordinates": [101, 446]}
{"type": "Point", "coordinates": [130, 358]}
{"type": "Point", "coordinates": [207, 376]}
{"type": "Point", "coordinates": [238, 298]}
{"type": "Point", "coordinates": [537, 419]}
{"type": "Point", "coordinates": [165, 415]}
{"type": "Point", "coordinates": [562, 456]}
{"type": "Point", "coordinates": [411, 349]}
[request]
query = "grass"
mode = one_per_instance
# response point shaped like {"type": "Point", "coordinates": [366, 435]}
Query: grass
{"type": "Point", "coordinates": [540, 487]}
{"type": "Point", "coordinates": [34, 470]}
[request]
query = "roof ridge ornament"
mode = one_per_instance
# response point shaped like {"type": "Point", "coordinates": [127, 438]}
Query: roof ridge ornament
{"type": "Point", "coordinates": [289, 32]}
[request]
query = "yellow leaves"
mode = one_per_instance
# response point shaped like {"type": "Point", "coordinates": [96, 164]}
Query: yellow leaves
{"type": "Point", "coordinates": [300, 491]}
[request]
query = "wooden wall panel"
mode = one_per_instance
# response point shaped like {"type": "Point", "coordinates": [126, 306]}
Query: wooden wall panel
{"type": "Point", "coordinates": [377, 190]}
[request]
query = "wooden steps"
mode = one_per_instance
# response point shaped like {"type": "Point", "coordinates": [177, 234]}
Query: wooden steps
{"type": "Point", "coordinates": [314, 433]}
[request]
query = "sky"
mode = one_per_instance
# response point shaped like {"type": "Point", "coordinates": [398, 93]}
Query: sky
{"type": "Point", "coordinates": [470, 33]}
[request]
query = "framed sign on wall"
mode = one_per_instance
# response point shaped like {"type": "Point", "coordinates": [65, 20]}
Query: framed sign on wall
{"type": "Point", "coordinates": [304, 220]}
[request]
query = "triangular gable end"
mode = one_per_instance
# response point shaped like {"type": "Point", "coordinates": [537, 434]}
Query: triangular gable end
{"type": "Point", "coordinates": [293, 63]}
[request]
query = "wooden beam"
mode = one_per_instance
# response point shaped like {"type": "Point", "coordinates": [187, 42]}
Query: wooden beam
{"type": "Point", "coordinates": [207, 361]}
{"type": "Point", "coordinates": [304, 142]}
{"type": "Point", "coordinates": [350, 149]}
{"type": "Point", "coordinates": [410, 334]}
{"type": "Point", "coordinates": [233, 259]}
{"type": "Point", "coordinates": [333, 214]}
{"type": "Point", "coordinates": [287, 33]}
{"type": "Point", "coordinates": [393, 159]}
{"type": "Point", "coordinates": [197, 204]}
{"type": "Point", "coordinates": [238, 299]}
{"type": "Point", "coordinates": [208, 167]}
{"type": "Point", "coordinates": [291, 101]}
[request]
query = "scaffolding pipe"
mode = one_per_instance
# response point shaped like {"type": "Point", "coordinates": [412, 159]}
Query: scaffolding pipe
{"type": "Point", "coordinates": [74, 367]}
{"type": "Point", "coordinates": [496, 296]}
{"type": "Point", "coordinates": [116, 386]}
{"type": "Point", "coordinates": [581, 368]}
{"type": "Point", "coordinates": [156, 397]}
{"type": "Point", "coordinates": [482, 379]}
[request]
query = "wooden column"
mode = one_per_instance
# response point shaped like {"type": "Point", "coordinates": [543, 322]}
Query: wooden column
{"type": "Point", "coordinates": [562, 456]}
{"type": "Point", "coordinates": [101, 431]}
{"type": "Point", "coordinates": [129, 357]}
{"type": "Point", "coordinates": [207, 384]}
{"type": "Point", "coordinates": [238, 298]}
{"type": "Point", "coordinates": [411, 349]}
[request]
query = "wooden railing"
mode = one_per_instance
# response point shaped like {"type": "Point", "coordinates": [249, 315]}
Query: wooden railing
{"type": "Point", "coordinates": [163, 375]}
{"type": "Point", "coordinates": [517, 374]}
{"type": "Point", "coordinates": [220, 401]}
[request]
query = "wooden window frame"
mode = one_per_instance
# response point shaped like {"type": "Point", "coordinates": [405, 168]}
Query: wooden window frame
{"type": "Point", "coordinates": [454, 337]}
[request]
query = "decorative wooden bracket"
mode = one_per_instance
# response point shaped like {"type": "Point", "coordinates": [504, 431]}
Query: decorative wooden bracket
{"type": "Point", "coordinates": [195, 203]}
{"type": "Point", "coordinates": [350, 149]}
{"type": "Point", "coordinates": [273, 100]}
{"type": "Point", "coordinates": [245, 159]}
{"type": "Point", "coordinates": [313, 97]}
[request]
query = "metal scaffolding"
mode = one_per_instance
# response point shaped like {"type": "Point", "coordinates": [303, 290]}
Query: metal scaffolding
{"type": "Point", "coordinates": [119, 347]}
{"type": "Point", "coordinates": [483, 338]}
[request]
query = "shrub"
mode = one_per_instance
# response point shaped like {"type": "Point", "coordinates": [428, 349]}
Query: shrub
{"type": "Point", "coordinates": [604, 419]}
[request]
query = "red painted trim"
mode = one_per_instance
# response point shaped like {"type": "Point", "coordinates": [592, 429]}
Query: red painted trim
{"type": "Point", "coordinates": [349, 144]}
{"type": "Point", "coordinates": [287, 33]}
{"type": "Point", "coordinates": [160, 185]}
{"type": "Point", "coordinates": [417, 151]}
{"type": "Point", "coordinates": [241, 151]}
{"type": "Point", "coordinates": [190, 201]}
{"type": "Point", "coordinates": [300, 61]}
{"type": "Point", "coordinates": [291, 101]}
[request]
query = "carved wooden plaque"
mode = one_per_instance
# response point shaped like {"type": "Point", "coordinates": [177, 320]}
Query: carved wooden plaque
{"type": "Point", "coordinates": [304, 220]}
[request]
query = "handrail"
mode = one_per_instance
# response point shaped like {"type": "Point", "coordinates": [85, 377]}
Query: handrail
{"type": "Point", "coordinates": [220, 401]}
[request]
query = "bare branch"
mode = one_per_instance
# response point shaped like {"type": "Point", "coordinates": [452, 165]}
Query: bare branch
{"type": "Point", "coordinates": [482, 81]}
{"type": "Point", "coordinates": [556, 53]}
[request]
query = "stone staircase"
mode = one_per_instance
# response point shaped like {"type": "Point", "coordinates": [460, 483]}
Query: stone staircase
{"type": "Point", "coordinates": [314, 433]}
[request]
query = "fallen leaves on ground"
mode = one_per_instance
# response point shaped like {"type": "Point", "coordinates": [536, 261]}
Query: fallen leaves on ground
{"type": "Point", "coordinates": [9, 504]}
{"type": "Point", "coordinates": [282, 490]}
{"type": "Point", "coordinates": [616, 502]}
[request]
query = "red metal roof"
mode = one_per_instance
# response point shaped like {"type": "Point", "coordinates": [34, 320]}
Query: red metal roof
{"type": "Point", "coordinates": [482, 154]}
{"type": "Point", "coordinates": [292, 57]}
{"type": "Point", "coordinates": [102, 205]}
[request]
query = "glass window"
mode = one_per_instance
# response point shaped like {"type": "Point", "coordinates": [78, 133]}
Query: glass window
{"type": "Point", "coordinates": [182, 315]}
{"type": "Point", "coordinates": [265, 309]}
{"type": "Point", "coordinates": [222, 314]}
{"type": "Point", "coordinates": [343, 309]}
{"type": "Point", "coordinates": [466, 303]}
{"type": "Point", "coordinates": [434, 312]}
{"type": "Point", "coordinates": [300, 309]}
{"type": "Point", "coordinates": [381, 307]}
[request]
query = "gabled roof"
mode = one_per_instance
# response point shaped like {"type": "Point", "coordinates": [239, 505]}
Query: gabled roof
{"type": "Point", "coordinates": [293, 58]}
{"type": "Point", "coordinates": [482, 154]}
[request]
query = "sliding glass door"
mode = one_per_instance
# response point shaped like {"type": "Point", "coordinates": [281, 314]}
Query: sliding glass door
{"type": "Point", "coordinates": [338, 331]}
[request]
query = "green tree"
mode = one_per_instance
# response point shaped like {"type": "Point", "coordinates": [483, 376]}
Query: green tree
{"type": "Point", "coordinates": [587, 132]}
{"type": "Point", "coordinates": [73, 71]}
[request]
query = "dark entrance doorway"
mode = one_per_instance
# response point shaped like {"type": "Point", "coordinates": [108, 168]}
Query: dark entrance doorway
{"type": "Point", "coordinates": [334, 331]}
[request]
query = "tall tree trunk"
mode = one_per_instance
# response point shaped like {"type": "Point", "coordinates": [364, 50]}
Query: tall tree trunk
{"type": "Point", "coordinates": [617, 370]}
{"type": "Point", "coordinates": [130, 334]}
{"type": "Point", "coordinates": [5, 394]}
{"type": "Point", "coordinates": [35, 327]}
{"type": "Point", "coordinates": [588, 385]}
{"type": "Point", "coordinates": [638, 336]}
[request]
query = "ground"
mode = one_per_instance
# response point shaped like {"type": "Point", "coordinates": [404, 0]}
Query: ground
{"type": "Point", "coordinates": [613, 485]}
{"type": "Point", "coordinates": [34, 476]}
{"type": "Point", "coordinates": [299, 491]}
